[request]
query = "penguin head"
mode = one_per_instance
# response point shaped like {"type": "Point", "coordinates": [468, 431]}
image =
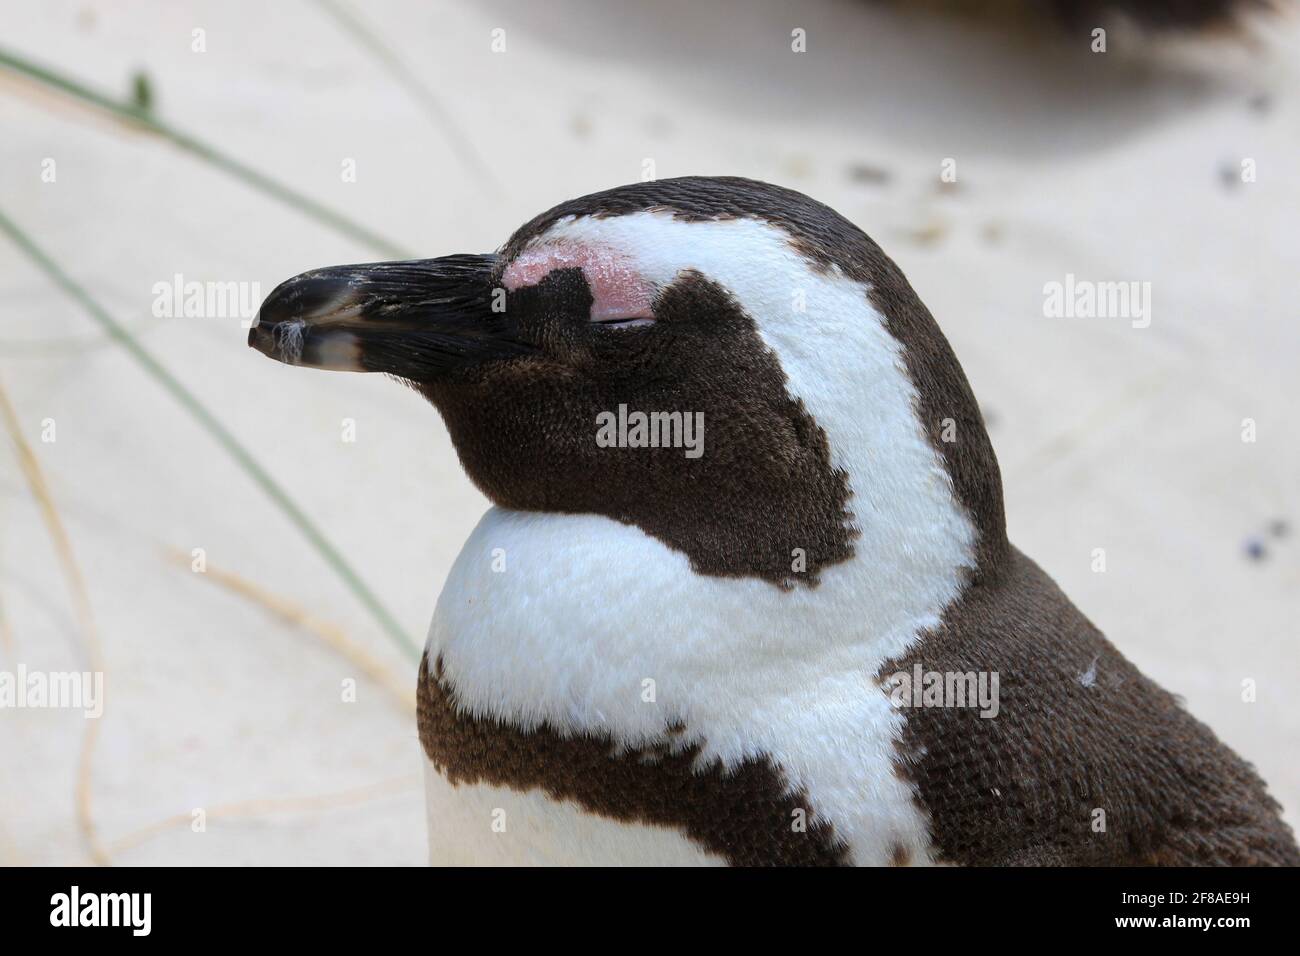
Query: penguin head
{"type": "Point", "coordinates": [728, 365]}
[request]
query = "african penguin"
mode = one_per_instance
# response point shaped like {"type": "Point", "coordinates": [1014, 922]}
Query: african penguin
{"type": "Point", "coordinates": [646, 655]}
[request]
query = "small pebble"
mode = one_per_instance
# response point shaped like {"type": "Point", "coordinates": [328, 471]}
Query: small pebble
{"type": "Point", "coordinates": [1261, 102]}
{"type": "Point", "coordinates": [798, 165]}
{"type": "Point", "coordinates": [867, 173]}
{"type": "Point", "coordinates": [927, 234]}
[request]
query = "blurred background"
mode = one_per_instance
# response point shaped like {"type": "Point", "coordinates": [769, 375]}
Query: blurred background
{"type": "Point", "coordinates": [251, 554]}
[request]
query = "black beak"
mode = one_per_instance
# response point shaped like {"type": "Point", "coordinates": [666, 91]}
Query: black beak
{"type": "Point", "coordinates": [416, 319]}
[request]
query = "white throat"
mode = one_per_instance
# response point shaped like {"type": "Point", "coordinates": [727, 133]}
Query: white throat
{"type": "Point", "coordinates": [592, 625]}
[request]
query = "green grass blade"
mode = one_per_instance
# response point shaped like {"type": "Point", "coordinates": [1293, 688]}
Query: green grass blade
{"type": "Point", "coordinates": [238, 452]}
{"type": "Point", "coordinates": [132, 113]}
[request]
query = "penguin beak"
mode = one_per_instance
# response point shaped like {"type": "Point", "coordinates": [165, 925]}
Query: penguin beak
{"type": "Point", "coordinates": [416, 319]}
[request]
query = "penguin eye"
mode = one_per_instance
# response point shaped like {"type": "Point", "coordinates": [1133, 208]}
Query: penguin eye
{"type": "Point", "coordinates": [621, 298]}
{"type": "Point", "coordinates": [620, 318]}
{"type": "Point", "coordinates": [624, 323]}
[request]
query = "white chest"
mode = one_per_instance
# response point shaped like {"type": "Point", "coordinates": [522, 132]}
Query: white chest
{"type": "Point", "coordinates": [593, 627]}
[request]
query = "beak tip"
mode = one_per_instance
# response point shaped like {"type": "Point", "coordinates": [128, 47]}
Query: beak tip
{"type": "Point", "coordinates": [260, 337]}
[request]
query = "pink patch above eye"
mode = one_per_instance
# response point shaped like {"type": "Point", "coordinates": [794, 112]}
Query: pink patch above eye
{"type": "Point", "coordinates": [618, 292]}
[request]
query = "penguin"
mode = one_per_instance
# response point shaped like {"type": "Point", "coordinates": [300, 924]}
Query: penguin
{"type": "Point", "coordinates": [668, 649]}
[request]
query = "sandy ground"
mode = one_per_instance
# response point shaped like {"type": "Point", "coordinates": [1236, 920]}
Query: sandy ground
{"type": "Point", "coordinates": [1114, 166]}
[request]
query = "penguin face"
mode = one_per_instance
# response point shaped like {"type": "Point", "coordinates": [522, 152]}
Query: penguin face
{"type": "Point", "coordinates": [629, 324]}
{"type": "Point", "coordinates": [667, 354]}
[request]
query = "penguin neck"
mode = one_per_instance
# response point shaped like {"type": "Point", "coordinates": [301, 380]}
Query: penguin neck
{"type": "Point", "coordinates": [563, 618]}
{"type": "Point", "coordinates": [580, 609]}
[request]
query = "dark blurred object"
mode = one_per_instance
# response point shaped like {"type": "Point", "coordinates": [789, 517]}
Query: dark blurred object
{"type": "Point", "coordinates": [142, 91]}
{"type": "Point", "coordinates": [1151, 15]}
{"type": "Point", "coordinates": [1159, 14]}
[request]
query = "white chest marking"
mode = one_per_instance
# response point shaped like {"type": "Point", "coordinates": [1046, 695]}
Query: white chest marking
{"type": "Point", "coordinates": [590, 614]}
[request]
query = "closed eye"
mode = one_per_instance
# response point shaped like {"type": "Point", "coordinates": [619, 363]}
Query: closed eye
{"type": "Point", "coordinates": [623, 322]}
